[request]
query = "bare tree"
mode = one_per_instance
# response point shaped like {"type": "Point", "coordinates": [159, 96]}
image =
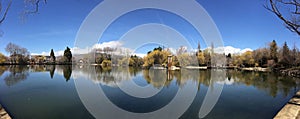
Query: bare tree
{"type": "Point", "coordinates": [181, 50]}
{"type": "Point", "coordinates": [16, 49]}
{"type": "Point", "coordinates": [18, 54]}
{"type": "Point", "coordinates": [287, 11]}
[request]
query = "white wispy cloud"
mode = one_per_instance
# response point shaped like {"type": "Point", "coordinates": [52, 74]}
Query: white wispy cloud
{"type": "Point", "coordinates": [76, 50]}
{"type": "Point", "coordinates": [140, 54]}
{"type": "Point", "coordinates": [111, 44]}
{"type": "Point", "coordinates": [57, 53]}
{"type": "Point", "coordinates": [43, 53]}
{"type": "Point", "coordinates": [233, 50]}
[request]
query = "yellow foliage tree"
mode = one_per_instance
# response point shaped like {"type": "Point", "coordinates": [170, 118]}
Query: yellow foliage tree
{"type": "Point", "coordinates": [2, 58]}
{"type": "Point", "coordinates": [201, 58]}
{"type": "Point", "coordinates": [156, 57]}
{"type": "Point", "coordinates": [106, 63]}
{"type": "Point", "coordinates": [248, 59]}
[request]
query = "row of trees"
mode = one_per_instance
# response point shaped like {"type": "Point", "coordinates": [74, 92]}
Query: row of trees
{"type": "Point", "coordinates": [182, 57]}
{"type": "Point", "coordinates": [272, 56]}
{"type": "Point", "coordinates": [20, 55]}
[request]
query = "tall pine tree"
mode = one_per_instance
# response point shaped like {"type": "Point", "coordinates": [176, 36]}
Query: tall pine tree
{"type": "Point", "coordinates": [52, 56]}
{"type": "Point", "coordinates": [285, 56]}
{"type": "Point", "coordinates": [68, 55]}
{"type": "Point", "coordinates": [273, 51]}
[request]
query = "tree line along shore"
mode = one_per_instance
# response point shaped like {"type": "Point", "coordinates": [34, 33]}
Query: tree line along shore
{"type": "Point", "coordinates": [271, 58]}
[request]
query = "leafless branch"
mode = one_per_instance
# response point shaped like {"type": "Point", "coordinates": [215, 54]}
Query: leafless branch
{"type": "Point", "coordinates": [5, 8]}
{"type": "Point", "coordinates": [293, 21]}
{"type": "Point", "coordinates": [5, 11]}
{"type": "Point", "coordinates": [36, 4]}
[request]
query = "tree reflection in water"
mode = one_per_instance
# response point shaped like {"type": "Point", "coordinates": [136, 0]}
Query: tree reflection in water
{"type": "Point", "coordinates": [16, 74]}
{"type": "Point", "coordinates": [51, 69]}
{"type": "Point", "coordinates": [3, 69]}
{"type": "Point", "coordinates": [67, 72]}
{"type": "Point", "coordinates": [268, 82]}
{"type": "Point", "coordinates": [157, 78]}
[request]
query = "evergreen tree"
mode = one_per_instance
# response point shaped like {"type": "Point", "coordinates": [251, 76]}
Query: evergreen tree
{"type": "Point", "coordinates": [229, 55]}
{"type": "Point", "coordinates": [294, 56]}
{"type": "Point", "coordinates": [285, 56]}
{"type": "Point", "coordinates": [68, 55]}
{"type": "Point", "coordinates": [212, 48]}
{"type": "Point", "coordinates": [273, 51]}
{"type": "Point", "coordinates": [158, 48]}
{"type": "Point", "coordinates": [199, 47]}
{"type": "Point", "coordinates": [52, 55]}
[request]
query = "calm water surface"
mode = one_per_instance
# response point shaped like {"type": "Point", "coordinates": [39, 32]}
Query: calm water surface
{"type": "Point", "coordinates": [49, 92]}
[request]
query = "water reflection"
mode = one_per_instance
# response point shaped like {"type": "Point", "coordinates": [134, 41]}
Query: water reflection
{"type": "Point", "coordinates": [17, 73]}
{"type": "Point", "coordinates": [157, 78]}
{"type": "Point", "coordinates": [67, 72]}
{"type": "Point", "coordinates": [269, 82]}
{"type": "Point", "coordinates": [3, 69]}
{"type": "Point", "coordinates": [112, 76]}
{"type": "Point", "coordinates": [52, 70]}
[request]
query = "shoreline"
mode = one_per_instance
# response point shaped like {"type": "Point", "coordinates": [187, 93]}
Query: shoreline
{"type": "Point", "coordinates": [293, 72]}
{"type": "Point", "coordinates": [291, 109]}
{"type": "Point", "coordinates": [3, 113]}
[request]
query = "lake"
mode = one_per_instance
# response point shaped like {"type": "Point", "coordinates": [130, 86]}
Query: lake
{"type": "Point", "coordinates": [74, 92]}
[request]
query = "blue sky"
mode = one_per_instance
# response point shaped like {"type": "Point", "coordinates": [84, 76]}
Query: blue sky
{"type": "Point", "coordinates": [242, 24]}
